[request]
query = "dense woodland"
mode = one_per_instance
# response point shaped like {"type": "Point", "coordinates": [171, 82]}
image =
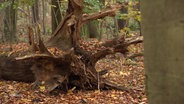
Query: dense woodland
{"type": "Point", "coordinates": [85, 51]}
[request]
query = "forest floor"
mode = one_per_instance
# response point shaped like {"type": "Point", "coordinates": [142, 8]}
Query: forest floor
{"type": "Point", "coordinates": [122, 71]}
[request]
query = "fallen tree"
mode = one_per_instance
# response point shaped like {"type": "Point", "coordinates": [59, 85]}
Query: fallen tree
{"type": "Point", "coordinates": [75, 65]}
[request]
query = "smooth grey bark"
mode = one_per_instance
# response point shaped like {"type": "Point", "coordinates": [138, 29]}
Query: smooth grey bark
{"type": "Point", "coordinates": [163, 31]}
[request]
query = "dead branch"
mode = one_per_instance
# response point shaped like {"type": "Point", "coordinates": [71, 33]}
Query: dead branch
{"type": "Point", "coordinates": [109, 11]}
{"type": "Point", "coordinates": [135, 55]}
{"type": "Point", "coordinates": [114, 86]}
{"type": "Point", "coordinates": [134, 40]}
{"type": "Point", "coordinates": [41, 45]}
{"type": "Point", "coordinates": [37, 46]}
{"type": "Point", "coordinates": [113, 47]}
{"type": "Point", "coordinates": [33, 46]}
{"type": "Point", "coordinates": [101, 54]}
{"type": "Point", "coordinates": [23, 11]}
{"type": "Point", "coordinates": [61, 24]}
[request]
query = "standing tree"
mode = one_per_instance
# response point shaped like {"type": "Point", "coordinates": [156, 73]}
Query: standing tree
{"type": "Point", "coordinates": [92, 26]}
{"type": "Point", "coordinates": [121, 22]}
{"type": "Point", "coordinates": [92, 29]}
{"type": "Point", "coordinates": [56, 14]}
{"type": "Point", "coordinates": [1, 25]}
{"type": "Point", "coordinates": [35, 12]}
{"type": "Point", "coordinates": [10, 22]}
{"type": "Point", "coordinates": [43, 16]}
{"type": "Point", "coordinates": [162, 28]}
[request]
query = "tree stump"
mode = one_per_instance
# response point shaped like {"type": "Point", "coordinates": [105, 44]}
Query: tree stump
{"type": "Point", "coordinates": [75, 66]}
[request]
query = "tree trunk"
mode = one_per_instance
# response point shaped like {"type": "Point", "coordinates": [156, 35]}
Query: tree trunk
{"type": "Point", "coordinates": [44, 15]}
{"type": "Point", "coordinates": [67, 33]}
{"type": "Point", "coordinates": [10, 22]}
{"type": "Point", "coordinates": [1, 25]}
{"type": "Point", "coordinates": [35, 18]}
{"type": "Point", "coordinates": [121, 22]}
{"type": "Point", "coordinates": [35, 12]}
{"type": "Point", "coordinates": [92, 29]}
{"type": "Point", "coordinates": [163, 50]}
{"type": "Point", "coordinates": [56, 14]}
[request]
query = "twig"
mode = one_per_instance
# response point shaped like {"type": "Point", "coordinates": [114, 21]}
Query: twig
{"type": "Point", "coordinates": [135, 55]}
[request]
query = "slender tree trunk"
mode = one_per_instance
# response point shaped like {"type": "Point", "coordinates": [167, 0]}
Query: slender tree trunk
{"type": "Point", "coordinates": [35, 12]}
{"type": "Point", "coordinates": [101, 24]}
{"type": "Point", "coordinates": [121, 22]}
{"type": "Point", "coordinates": [29, 15]}
{"type": "Point", "coordinates": [1, 25]}
{"type": "Point", "coordinates": [163, 31]}
{"type": "Point", "coordinates": [116, 27]}
{"type": "Point", "coordinates": [92, 29]}
{"type": "Point", "coordinates": [35, 18]}
{"type": "Point", "coordinates": [44, 12]}
{"type": "Point", "coordinates": [10, 22]}
{"type": "Point", "coordinates": [56, 14]}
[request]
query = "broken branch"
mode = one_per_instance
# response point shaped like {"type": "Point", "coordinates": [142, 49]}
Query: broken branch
{"type": "Point", "coordinates": [109, 11]}
{"type": "Point", "coordinates": [114, 47]}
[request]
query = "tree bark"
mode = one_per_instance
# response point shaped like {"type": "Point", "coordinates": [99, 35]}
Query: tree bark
{"type": "Point", "coordinates": [35, 12]}
{"type": "Point", "coordinates": [163, 50]}
{"type": "Point", "coordinates": [1, 23]}
{"type": "Point", "coordinates": [121, 22]}
{"type": "Point", "coordinates": [92, 29]}
{"type": "Point", "coordinates": [10, 22]}
{"type": "Point", "coordinates": [44, 15]}
{"type": "Point", "coordinates": [56, 14]}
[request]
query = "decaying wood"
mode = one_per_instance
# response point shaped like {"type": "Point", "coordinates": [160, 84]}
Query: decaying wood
{"type": "Point", "coordinates": [74, 67]}
{"type": "Point", "coordinates": [18, 70]}
{"type": "Point", "coordinates": [34, 45]}
{"type": "Point", "coordinates": [109, 11]}
{"type": "Point", "coordinates": [67, 33]}
{"type": "Point", "coordinates": [42, 48]}
{"type": "Point", "coordinates": [68, 68]}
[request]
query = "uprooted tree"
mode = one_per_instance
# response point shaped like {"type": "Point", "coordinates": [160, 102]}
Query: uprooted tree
{"type": "Point", "coordinates": [75, 65]}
